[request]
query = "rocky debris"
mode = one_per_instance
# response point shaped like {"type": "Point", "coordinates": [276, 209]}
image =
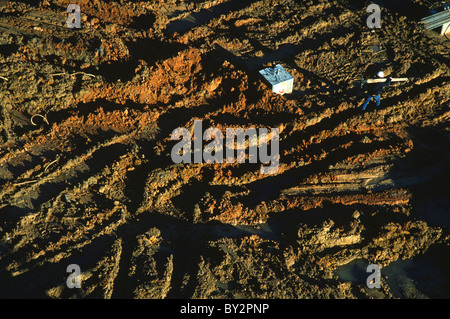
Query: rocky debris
{"type": "Point", "coordinates": [151, 267]}
{"type": "Point", "coordinates": [256, 268]}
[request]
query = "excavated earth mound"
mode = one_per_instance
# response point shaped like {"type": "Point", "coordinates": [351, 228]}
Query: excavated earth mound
{"type": "Point", "coordinates": [87, 178]}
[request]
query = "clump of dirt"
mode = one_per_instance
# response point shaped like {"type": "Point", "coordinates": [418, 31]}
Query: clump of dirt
{"type": "Point", "coordinates": [87, 177]}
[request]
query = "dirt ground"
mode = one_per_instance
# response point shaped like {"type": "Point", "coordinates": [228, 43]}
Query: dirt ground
{"type": "Point", "coordinates": [87, 178]}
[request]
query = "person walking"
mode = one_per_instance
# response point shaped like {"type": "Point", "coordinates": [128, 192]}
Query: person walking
{"type": "Point", "coordinates": [374, 90]}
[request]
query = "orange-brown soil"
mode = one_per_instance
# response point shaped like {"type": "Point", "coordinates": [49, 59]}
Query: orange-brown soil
{"type": "Point", "coordinates": [94, 183]}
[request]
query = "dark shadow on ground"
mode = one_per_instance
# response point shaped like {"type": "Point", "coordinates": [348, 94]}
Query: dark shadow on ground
{"type": "Point", "coordinates": [205, 15]}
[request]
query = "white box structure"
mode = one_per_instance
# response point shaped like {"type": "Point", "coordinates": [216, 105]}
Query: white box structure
{"type": "Point", "coordinates": [436, 20]}
{"type": "Point", "coordinates": [282, 82]}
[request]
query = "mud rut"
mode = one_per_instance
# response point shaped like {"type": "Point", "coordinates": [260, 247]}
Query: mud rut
{"type": "Point", "coordinates": [96, 186]}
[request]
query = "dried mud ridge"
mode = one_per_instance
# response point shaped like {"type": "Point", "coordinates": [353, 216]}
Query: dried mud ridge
{"type": "Point", "coordinates": [95, 186]}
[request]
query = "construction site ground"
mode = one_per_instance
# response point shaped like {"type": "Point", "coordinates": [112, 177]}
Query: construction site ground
{"type": "Point", "coordinates": [90, 181]}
